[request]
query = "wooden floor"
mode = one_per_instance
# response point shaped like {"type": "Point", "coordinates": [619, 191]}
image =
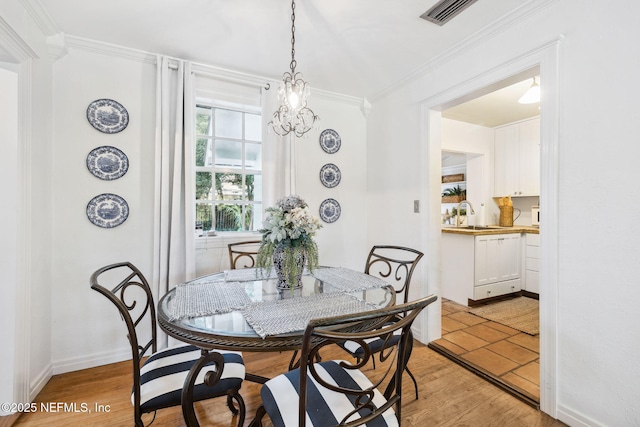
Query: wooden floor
{"type": "Point", "coordinates": [449, 396]}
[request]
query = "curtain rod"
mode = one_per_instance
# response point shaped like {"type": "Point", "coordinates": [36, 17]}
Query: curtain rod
{"type": "Point", "coordinates": [173, 66]}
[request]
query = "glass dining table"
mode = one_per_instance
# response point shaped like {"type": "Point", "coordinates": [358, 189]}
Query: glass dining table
{"type": "Point", "coordinates": [242, 311]}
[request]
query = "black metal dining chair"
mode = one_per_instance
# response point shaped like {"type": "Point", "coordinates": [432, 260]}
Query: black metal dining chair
{"type": "Point", "coordinates": [394, 264]}
{"type": "Point", "coordinates": [338, 392]}
{"type": "Point", "coordinates": [164, 379]}
{"type": "Point", "coordinates": [243, 254]}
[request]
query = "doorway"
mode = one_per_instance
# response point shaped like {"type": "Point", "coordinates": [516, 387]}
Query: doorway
{"type": "Point", "coordinates": [494, 349]}
{"type": "Point", "coordinates": [546, 58]}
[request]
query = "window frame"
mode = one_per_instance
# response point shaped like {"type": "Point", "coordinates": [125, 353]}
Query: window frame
{"type": "Point", "coordinates": [242, 170]}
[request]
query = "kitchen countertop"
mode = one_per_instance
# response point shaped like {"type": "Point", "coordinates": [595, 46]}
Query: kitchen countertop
{"type": "Point", "coordinates": [490, 229]}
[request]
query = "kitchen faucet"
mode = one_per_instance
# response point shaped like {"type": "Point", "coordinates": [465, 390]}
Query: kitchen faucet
{"type": "Point", "coordinates": [458, 215]}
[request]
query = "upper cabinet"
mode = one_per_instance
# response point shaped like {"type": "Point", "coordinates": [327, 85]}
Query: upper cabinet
{"type": "Point", "coordinates": [517, 159]}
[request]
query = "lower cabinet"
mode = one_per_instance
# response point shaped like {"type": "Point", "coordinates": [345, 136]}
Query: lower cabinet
{"type": "Point", "coordinates": [532, 264]}
{"type": "Point", "coordinates": [497, 265]}
{"type": "Point", "coordinates": [476, 267]}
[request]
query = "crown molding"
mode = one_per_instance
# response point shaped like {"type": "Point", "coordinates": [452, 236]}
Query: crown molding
{"type": "Point", "coordinates": [57, 46]}
{"type": "Point", "coordinates": [40, 16]}
{"type": "Point", "coordinates": [510, 20]}
{"type": "Point", "coordinates": [13, 44]}
{"type": "Point", "coordinates": [109, 49]}
{"type": "Point", "coordinates": [73, 42]}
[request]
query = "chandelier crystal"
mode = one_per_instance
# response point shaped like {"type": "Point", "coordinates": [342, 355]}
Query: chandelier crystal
{"type": "Point", "coordinates": [293, 115]}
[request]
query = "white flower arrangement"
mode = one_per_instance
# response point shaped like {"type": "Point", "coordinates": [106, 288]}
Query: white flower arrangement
{"type": "Point", "coordinates": [291, 224]}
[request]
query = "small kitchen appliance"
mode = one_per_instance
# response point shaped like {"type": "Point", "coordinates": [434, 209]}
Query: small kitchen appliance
{"type": "Point", "coordinates": [535, 216]}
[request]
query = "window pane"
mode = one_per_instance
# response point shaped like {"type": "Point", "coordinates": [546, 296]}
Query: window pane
{"type": "Point", "coordinates": [256, 217]}
{"type": "Point", "coordinates": [253, 127]}
{"type": "Point", "coordinates": [253, 156]}
{"type": "Point", "coordinates": [228, 154]}
{"type": "Point", "coordinates": [228, 123]}
{"type": "Point", "coordinates": [229, 186]}
{"type": "Point", "coordinates": [228, 218]}
{"type": "Point", "coordinates": [204, 153]}
{"type": "Point", "coordinates": [253, 187]}
{"type": "Point", "coordinates": [250, 223]}
{"type": "Point", "coordinates": [203, 186]}
{"type": "Point", "coordinates": [203, 216]}
{"type": "Point", "coordinates": [203, 121]}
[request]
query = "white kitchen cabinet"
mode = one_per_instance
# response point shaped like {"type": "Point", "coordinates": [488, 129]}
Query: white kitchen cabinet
{"type": "Point", "coordinates": [480, 266]}
{"type": "Point", "coordinates": [517, 159]}
{"type": "Point", "coordinates": [532, 263]}
{"type": "Point", "coordinates": [497, 258]}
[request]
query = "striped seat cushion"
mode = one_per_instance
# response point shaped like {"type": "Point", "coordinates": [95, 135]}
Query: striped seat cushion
{"type": "Point", "coordinates": [163, 374]}
{"type": "Point", "coordinates": [375, 344]}
{"type": "Point", "coordinates": [324, 407]}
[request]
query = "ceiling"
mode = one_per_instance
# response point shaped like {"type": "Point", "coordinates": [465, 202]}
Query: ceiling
{"type": "Point", "coordinates": [352, 47]}
{"type": "Point", "coordinates": [498, 107]}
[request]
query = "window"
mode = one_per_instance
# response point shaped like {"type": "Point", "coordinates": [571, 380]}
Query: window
{"type": "Point", "coordinates": [228, 168]}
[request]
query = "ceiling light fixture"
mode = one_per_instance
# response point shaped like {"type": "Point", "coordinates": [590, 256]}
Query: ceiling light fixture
{"type": "Point", "coordinates": [293, 114]}
{"type": "Point", "coordinates": [532, 95]}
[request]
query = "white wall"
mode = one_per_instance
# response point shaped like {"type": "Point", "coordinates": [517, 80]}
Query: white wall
{"type": "Point", "coordinates": [86, 327]}
{"type": "Point", "coordinates": [477, 142]}
{"type": "Point", "coordinates": [9, 226]}
{"type": "Point", "coordinates": [598, 287]}
{"type": "Point", "coordinates": [23, 41]}
{"type": "Point", "coordinates": [341, 243]}
{"type": "Point", "coordinates": [83, 76]}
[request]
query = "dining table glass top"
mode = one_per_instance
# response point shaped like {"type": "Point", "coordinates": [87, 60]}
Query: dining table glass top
{"type": "Point", "coordinates": [238, 310]}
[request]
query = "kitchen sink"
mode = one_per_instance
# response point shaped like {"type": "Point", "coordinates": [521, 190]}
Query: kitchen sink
{"type": "Point", "coordinates": [473, 227]}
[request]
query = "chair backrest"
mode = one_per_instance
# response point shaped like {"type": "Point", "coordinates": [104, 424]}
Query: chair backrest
{"type": "Point", "coordinates": [243, 254]}
{"type": "Point", "coordinates": [127, 288]}
{"type": "Point", "coordinates": [363, 328]}
{"type": "Point", "coordinates": [395, 264]}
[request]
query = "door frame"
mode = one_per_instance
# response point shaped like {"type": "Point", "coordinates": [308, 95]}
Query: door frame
{"type": "Point", "coordinates": [547, 58]}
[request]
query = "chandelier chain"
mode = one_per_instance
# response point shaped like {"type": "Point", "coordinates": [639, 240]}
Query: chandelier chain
{"type": "Point", "coordinates": [293, 38]}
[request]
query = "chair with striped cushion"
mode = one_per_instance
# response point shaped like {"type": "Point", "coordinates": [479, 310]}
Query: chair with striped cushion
{"type": "Point", "coordinates": [337, 392]}
{"type": "Point", "coordinates": [394, 264]}
{"type": "Point", "coordinates": [243, 254]}
{"type": "Point", "coordinates": [165, 378]}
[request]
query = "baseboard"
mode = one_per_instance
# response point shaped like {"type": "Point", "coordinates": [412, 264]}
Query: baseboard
{"type": "Point", "coordinates": [90, 361]}
{"type": "Point", "coordinates": [41, 380]}
{"type": "Point", "coordinates": [575, 419]}
{"type": "Point", "coordinates": [484, 301]}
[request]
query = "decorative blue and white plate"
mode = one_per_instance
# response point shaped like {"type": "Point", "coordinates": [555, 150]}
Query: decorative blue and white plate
{"type": "Point", "coordinates": [330, 210]}
{"type": "Point", "coordinates": [107, 163]}
{"type": "Point", "coordinates": [330, 141]}
{"type": "Point", "coordinates": [107, 115]}
{"type": "Point", "coordinates": [107, 210]}
{"type": "Point", "coordinates": [330, 175]}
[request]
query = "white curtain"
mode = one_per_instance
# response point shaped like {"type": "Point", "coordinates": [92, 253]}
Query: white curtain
{"type": "Point", "coordinates": [278, 162]}
{"type": "Point", "coordinates": [174, 241]}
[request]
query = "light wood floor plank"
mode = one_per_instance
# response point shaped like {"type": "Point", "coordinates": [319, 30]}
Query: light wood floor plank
{"type": "Point", "coordinates": [449, 396]}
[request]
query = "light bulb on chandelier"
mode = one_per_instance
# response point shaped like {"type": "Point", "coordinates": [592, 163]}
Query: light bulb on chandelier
{"type": "Point", "coordinates": [293, 115]}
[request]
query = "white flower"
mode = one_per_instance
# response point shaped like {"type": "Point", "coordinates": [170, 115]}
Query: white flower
{"type": "Point", "coordinates": [290, 219]}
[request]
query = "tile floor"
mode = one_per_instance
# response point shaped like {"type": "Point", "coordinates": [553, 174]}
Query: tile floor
{"type": "Point", "coordinates": [509, 358]}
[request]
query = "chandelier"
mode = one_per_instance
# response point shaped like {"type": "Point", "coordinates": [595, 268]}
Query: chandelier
{"type": "Point", "coordinates": [293, 116]}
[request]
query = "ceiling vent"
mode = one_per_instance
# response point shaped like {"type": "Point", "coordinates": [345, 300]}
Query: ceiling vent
{"type": "Point", "coordinates": [445, 10]}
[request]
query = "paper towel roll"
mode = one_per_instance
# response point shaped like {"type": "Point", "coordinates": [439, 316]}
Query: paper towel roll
{"type": "Point", "coordinates": [480, 218]}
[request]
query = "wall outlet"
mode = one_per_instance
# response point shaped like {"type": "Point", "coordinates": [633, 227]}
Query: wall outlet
{"type": "Point", "coordinates": [416, 206]}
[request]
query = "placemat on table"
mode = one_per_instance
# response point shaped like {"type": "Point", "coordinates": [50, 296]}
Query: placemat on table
{"type": "Point", "coordinates": [248, 274]}
{"type": "Point", "coordinates": [347, 280]}
{"type": "Point", "coordinates": [290, 315]}
{"type": "Point", "coordinates": [207, 298]}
